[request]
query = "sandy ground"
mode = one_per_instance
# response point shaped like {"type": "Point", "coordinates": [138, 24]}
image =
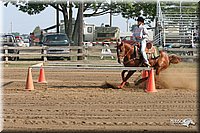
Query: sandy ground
{"type": "Point", "coordinates": [81, 100]}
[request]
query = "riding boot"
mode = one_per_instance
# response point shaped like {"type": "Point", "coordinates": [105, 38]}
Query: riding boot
{"type": "Point", "coordinates": [146, 62]}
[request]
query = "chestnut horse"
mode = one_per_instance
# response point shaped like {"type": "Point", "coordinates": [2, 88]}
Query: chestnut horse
{"type": "Point", "coordinates": [126, 53]}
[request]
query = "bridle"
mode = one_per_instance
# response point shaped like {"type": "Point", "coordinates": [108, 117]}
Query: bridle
{"type": "Point", "coordinates": [125, 54]}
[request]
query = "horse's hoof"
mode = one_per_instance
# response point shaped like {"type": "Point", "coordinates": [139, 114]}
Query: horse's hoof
{"type": "Point", "coordinates": [119, 87]}
{"type": "Point", "coordinates": [127, 84]}
{"type": "Point", "coordinates": [136, 84]}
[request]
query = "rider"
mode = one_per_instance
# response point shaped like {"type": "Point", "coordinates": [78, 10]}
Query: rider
{"type": "Point", "coordinates": [140, 35]}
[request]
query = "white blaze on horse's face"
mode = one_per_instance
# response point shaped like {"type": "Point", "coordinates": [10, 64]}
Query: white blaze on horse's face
{"type": "Point", "coordinates": [120, 49]}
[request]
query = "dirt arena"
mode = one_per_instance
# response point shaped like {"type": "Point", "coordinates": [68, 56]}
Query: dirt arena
{"type": "Point", "coordinates": [81, 100]}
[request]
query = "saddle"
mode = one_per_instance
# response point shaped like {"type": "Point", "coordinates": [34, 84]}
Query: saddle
{"type": "Point", "coordinates": [152, 52]}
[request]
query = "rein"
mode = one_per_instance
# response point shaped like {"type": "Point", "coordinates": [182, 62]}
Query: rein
{"type": "Point", "coordinates": [127, 52]}
{"type": "Point", "coordinates": [126, 55]}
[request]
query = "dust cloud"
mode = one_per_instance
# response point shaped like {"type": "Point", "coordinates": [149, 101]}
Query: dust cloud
{"type": "Point", "coordinates": [178, 80]}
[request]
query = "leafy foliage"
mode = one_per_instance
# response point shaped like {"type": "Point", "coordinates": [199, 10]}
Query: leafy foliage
{"type": "Point", "coordinates": [133, 10]}
{"type": "Point", "coordinates": [30, 8]}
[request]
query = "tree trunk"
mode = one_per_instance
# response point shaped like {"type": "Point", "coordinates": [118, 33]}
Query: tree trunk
{"type": "Point", "coordinates": [75, 32]}
{"type": "Point", "coordinates": [70, 21]}
{"type": "Point", "coordinates": [66, 21]}
{"type": "Point", "coordinates": [80, 29]}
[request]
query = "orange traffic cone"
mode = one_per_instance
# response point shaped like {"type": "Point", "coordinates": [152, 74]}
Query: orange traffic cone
{"type": "Point", "coordinates": [145, 74]}
{"type": "Point", "coordinates": [41, 78]}
{"type": "Point", "coordinates": [29, 80]}
{"type": "Point", "coordinates": [151, 82]}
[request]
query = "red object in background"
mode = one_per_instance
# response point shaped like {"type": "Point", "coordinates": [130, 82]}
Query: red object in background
{"type": "Point", "coordinates": [18, 37]}
{"type": "Point", "coordinates": [128, 39]}
{"type": "Point", "coordinates": [36, 40]}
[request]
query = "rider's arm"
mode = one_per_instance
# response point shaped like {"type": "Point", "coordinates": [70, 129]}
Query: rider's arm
{"type": "Point", "coordinates": [145, 33]}
{"type": "Point", "coordinates": [133, 37]}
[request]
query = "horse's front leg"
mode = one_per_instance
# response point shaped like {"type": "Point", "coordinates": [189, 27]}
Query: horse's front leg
{"type": "Point", "coordinates": [123, 74]}
{"type": "Point", "coordinates": [130, 73]}
{"type": "Point", "coordinates": [123, 78]}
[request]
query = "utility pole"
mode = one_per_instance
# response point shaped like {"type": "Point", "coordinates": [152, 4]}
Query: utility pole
{"type": "Point", "coordinates": [110, 18]}
{"type": "Point", "coordinates": [127, 28]}
{"type": "Point", "coordinates": [110, 2]}
{"type": "Point", "coordinates": [11, 27]}
{"type": "Point", "coordinates": [80, 29]}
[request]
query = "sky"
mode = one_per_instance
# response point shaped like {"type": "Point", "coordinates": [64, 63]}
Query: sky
{"type": "Point", "coordinates": [17, 21]}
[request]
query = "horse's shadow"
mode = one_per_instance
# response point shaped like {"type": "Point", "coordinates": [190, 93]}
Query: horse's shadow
{"type": "Point", "coordinates": [136, 85]}
{"type": "Point", "coordinates": [68, 87]}
{"type": "Point", "coordinates": [127, 87]}
{"type": "Point", "coordinates": [106, 85]}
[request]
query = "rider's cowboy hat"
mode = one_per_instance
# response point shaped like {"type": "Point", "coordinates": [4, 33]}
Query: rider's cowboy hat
{"type": "Point", "coordinates": [141, 19]}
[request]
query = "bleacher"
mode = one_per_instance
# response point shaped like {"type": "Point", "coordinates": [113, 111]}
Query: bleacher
{"type": "Point", "coordinates": [177, 23]}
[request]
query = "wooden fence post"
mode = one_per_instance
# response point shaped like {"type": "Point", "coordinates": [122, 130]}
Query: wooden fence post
{"type": "Point", "coordinates": [6, 53]}
{"type": "Point", "coordinates": [85, 49]}
{"type": "Point", "coordinates": [45, 53]}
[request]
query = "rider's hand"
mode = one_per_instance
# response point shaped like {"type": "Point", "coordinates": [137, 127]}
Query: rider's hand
{"type": "Point", "coordinates": [138, 37]}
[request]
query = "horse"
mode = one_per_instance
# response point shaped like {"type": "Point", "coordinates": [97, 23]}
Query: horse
{"type": "Point", "coordinates": [126, 53]}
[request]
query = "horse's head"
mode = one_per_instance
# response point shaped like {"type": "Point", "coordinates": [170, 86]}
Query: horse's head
{"type": "Point", "coordinates": [120, 51]}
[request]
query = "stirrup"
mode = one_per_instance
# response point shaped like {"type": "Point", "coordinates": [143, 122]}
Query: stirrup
{"type": "Point", "coordinates": [147, 64]}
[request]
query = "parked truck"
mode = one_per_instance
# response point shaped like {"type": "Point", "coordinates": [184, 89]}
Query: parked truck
{"type": "Point", "coordinates": [9, 41]}
{"type": "Point", "coordinates": [100, 34]}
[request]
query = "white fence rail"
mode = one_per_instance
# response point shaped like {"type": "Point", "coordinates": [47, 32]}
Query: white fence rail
{"type": "Point", "coordinates": [94, 51]}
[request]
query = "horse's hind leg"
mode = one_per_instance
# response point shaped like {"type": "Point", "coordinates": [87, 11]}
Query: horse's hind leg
{"type": "Point", "coordinates": [137, 82]}
{"type": "Point", "coordinates": [130, 73]}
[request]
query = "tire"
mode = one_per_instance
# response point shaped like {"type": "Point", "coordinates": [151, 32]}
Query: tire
{"type": "Point", "coordinates": [14, 58]}
{"type": "Point", "coordinates": [68, 58]}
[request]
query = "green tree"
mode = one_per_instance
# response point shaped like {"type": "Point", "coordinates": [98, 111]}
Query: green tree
{"type": "Point", "coordinates": [128, 10]}
{"type": "Point", "coordinates": [133, 10]}
{"type": "Point", "coordinates": [37, 31]}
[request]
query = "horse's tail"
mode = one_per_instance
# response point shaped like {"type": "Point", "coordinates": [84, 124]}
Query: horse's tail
{"type": "Point", "coordinates": [174, 59]}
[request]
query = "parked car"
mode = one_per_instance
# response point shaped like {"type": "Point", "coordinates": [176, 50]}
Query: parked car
{"type": "Point", "coordinates": [57, 43]}
{"type": "Point", "coordinates": [26, 43]}
{"type": "Point", "coordinates": [19, 42]}
{"type": "Point", "coordinates": [168, 45]}
{"type": "Point", "coordinates": [9, 40]}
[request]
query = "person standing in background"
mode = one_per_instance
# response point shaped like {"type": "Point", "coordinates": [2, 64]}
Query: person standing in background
{"type": "Point", "coordinates": [41, 36]}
